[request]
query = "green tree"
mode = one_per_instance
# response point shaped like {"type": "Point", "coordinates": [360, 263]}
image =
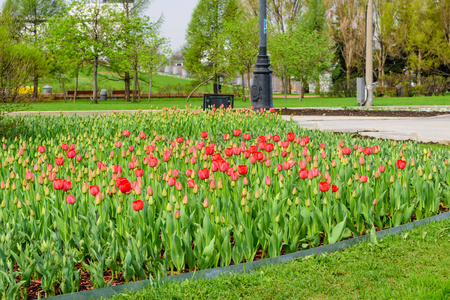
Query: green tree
{"type": "Point", "coordinates": [18, 63]}
{"type": "Point", "coordinates": [241, 44]}
{"type": "Point", "coordinates": [203, 43]}
{"type": "Point", "coordinates": [29, 16]}
{"type": "Point", "coordinates": [96, 28]}
{"type": "Point", "coordinates": [154, 54]}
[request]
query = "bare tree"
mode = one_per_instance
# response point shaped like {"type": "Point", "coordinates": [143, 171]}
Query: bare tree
{"type": "Point", "coordinates": [348, 24]}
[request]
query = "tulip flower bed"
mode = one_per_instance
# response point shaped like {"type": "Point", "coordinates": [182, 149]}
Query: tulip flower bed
{"type": "Point", "coordinates": [88, 202]}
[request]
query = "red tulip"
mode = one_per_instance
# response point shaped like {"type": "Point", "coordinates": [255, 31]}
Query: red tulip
{"type": "Point", "coordinates": [334, 188]}
{"type": "Point", "coordinates": [268, 147]}
{"type": "Point", "coordinates": [234, 176]}
{"type": "Point", "coordinates": [142, 135]}
{"type": "Point", "coordinates": [79, 158]}
{"type": "Point", "coordinates": [191, 183]}
{"type": "Point", "coordinates": [203, 174]}
{"type": "Point", "coordinates": [138, 205]}
{"type": "Point", "coordinates": [367, 150]}
{"type": "Point", "coordinates": [209, 150]}
{"type": "Point", "coordinates": [126, 133]}
{"type": "Point", "coordinates": [259, 156]}
{"type": "Point", "coordinates": [138, 172]}
{"type": "Point", "coordinates": [253, 149]}
{"type": "Point", "coordinates": [237, 132]}
{"type": "Point", "coordinates": [401, 164]}
{"type": "Point", "coordinates": [228, 151]}
{"type": "Point", "coordinates": [41, 149]}
{"type": "Point", "coordinates": [290, 136]}
{"type": "Point", "coordinates": [67, 185]}
{"type": "Point", "coordinates": [58, 184]}
{"type": "Point", "coordinates": [94, 189]}
{"type": "Point", "coordinates": [324, 186]}
{"type": "Point", "coordinates": [279, 167]}
{"type": "Point", "coordinates": [346, 151]}
{"type": "Point", "coordinates": [303, 174]}
{"type": "Point", "coordinates": [382, 168]}
{"type": "Point", "coordinates": [322, 145]}
{"type": "Point", "coordinates": [70, 199]}
{"type": "Point", "coordinates": [123, 184]}
{"type": "Point", "coordinates": [363, 178]}
{"type": "Point", "coordinates": [276, 138]}
{"type": "Point", "coordinates": [267, 181]}
{"type": "Point", "coordinates": [305, 139]}
{"type": "Point", "coordinates": [59, 161]}
{"type": "Point", "coordinates": [242, 169]}
{"type": "Point", "coordinates": [152, 162]}
{"type": "Point", "coordinates": [204, 134]}
{"type": "Point", "coordinates": [285, 144]}
{"type": "Point", "coordinates": [117, 169]}
{"type": "Point", "coordinates": [71, 154]}
{"type": "Point", "coordinates": [262, 139]}
{"type": "Point", "coordinates": [247, 136]}
{"type": "Point", "coordinates": [179, 139]}
{"type": "Point", "coordinates": [65, 147]}
{"type": "Point", "coordinates": [376, 149]}
{"type": "Point", "coordinates": [171, 181]}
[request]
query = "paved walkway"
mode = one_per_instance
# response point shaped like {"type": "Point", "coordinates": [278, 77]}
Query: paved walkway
{"type": "Point", "coordinates": [431, 129]}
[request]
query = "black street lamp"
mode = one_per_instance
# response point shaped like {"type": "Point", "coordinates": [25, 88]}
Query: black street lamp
{"type": "Point", "coordinates": [261, 93]}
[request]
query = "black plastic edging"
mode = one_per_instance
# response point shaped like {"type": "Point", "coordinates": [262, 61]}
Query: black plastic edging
{"type": "Point", "coordinates": [108, 292]}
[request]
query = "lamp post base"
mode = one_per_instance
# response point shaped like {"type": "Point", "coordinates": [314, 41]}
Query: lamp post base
{"type": "Point", "coordinates": [261, 93]}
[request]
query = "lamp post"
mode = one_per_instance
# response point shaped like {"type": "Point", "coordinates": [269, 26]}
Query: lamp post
{"type": "Point", "coordinates": [261, 93]}
{"type": "Point", "coordinates": [369, 54]}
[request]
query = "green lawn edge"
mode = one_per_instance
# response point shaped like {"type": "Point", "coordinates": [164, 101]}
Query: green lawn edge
{"type": "Point", "coordinates": [413, 265]}
{"type": "Point", "coordinates": [119, 104]}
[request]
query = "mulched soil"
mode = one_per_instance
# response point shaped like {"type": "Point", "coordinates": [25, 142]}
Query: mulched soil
{"type": "Point", "coordinates": [362, 113]}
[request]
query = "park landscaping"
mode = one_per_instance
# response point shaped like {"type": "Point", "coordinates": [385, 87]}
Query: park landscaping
{"type": "Point", "coordinates": [413, 265]}
{"type": "Point", "coordinates": [119, 104]}
{"type": "Point", "coordinates": [125, 197]}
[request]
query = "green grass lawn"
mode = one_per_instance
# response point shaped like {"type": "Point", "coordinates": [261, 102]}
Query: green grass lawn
{"type": "Point", "coordinates": [111, 81]}
{"type": "Point", "coordinates": [196, 102]}
{"type": "Point", "coordinates": [414, 265]}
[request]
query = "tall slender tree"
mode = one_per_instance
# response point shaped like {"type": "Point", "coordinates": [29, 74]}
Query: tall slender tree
{"type": "Point", "coordinates": [29, 15]}
{"type": "Point", "coordinates": [203, 43]}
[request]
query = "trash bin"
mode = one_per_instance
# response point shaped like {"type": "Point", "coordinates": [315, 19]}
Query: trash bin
{"type": "Point", "coordinates": [103, 95]}
{"type": "Point", "coordinates": [47, 89]}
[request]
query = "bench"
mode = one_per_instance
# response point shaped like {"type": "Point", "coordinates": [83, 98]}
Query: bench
{"type": "Point", "coordinates": [121, 94]}
{"type": "Point", "coordinates": [81, 94]}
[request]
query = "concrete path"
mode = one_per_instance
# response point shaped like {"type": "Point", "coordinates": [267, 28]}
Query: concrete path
{"type": "Point", "coordinates": [431, 129]}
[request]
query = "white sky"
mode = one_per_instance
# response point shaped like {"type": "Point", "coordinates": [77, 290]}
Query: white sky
{"type": "Point", "coordinates": [177, 14]}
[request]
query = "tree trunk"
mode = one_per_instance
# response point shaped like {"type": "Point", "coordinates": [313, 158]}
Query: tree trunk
{"type": "Point", "coordinates": [380, 77]}
{"type": "Point", "coordinates": [150, 87]}
{"type": "Point", "coordinates": [285, 86]}
{"type": "Point", "coordinates": [62, 84]}
{"type": "Point", "coordinates": [216, 87]}
{"type": "Point", "coordinates": [289, 86]}
{"type": "Point", "coordinates": [94, 81]}
{"type": "Point", "coordinates": [301, 89]}
{"type": "Point", "coordinates": [35, 85]}
{"type": "Point", "coordinates": [419, 70]}
{"type": "Point", "coordinates": [243, 87]}
{"type": "Point", "coordinates": [198, 86]}
{"type": "Point", "coordinates": [135, 85]}
{"type": "Point", "coordinates": [248, 82]}
{"type": "Point", "coordinates": [127, 86]}
{"type": "Point", "coordinates": [76, 87]}
{"type": "Point", "coordinates": [348, 78]}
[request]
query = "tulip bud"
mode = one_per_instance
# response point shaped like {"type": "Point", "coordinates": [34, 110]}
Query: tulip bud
{"type": "Point", "coordinates": [277, 219]}
{"type": "Point", "coordinates": [31, 213]}
{"type": "Point", "coordinates": [264, 197]}
{"type": "Point", "coordinates": [374, 201]}
{"type": "Point", "coordinates": [289, 202]}
{"type": "Point", "coordinates": [446, 162]}
{"type": "Point", "coordinates": [19, 205]}
{"type": "Point", "coordinates": [391, 179]}
{"type": "Point", "coordinates": [211, 209]}
{"type": "Point", "coordinates": [247, 209]}
{"type": "Point", "coordinates": [315, 191]}
{"type": "Point", "coordinates": [243, 202]}
{"type": "Point", "coordinates": [257, 194]}
{"type": "Point", "coordinates": [119, 210]}
{"type": "Point", "coordinates": [430, 176]}
{"type": "Point", "coordinates": [185, 199]}
{"type": "Point", "coordinates": [169, 207]}
{"type": "Point", "coordinates": [349, 183]}
{"type": "Point", "coordinates": [177, 214]}
{"type": "Point", "coordinates": [3, 205]}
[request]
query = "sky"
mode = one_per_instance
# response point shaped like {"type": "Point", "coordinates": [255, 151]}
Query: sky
{"type": "Point", "coordinates": [176, 13]}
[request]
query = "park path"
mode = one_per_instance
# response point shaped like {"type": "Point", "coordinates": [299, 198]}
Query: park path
{"type": "Point", "coordinates": [425, 130]}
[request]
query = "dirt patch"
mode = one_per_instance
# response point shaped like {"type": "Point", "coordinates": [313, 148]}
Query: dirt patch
{"type": "Point", "coordinates": [362, 113]}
